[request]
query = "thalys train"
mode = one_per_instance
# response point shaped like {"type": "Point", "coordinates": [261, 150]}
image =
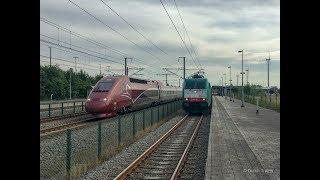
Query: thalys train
{"type": "Point", "coordinates": [197, 95]}
{"type": "Point", "coordinates": [114, 95]}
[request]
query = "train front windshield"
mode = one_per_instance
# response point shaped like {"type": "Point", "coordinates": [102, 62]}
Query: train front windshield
{"type": "Point", "coordinates": [195, 84]}
{"type": "Point", "coordinates": [104, 86]}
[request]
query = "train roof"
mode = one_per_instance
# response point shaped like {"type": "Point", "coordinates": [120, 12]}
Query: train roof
{"type": "Point", "coordinates": [137, 80]}
{"type": "Point", "coordinates": [196, 79]}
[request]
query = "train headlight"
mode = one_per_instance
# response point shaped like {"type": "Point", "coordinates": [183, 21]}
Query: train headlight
{"type": "Point", "coordinates": [88, 99]}
{"type": "Point", "coordinates": [104, 99]}
{"type": "Point", "coordinates": [203, 99]}
{"type": "Point", "coordinates": [186, 99]}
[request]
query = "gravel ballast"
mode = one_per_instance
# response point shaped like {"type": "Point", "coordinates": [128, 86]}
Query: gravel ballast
{"type": "Point", "coordinates": [194, 167]}
{"type": "Point", "coordinates": [112, 167]}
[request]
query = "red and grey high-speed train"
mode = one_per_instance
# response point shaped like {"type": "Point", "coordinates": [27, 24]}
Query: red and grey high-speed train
{"type": "Point", "coordinates": [114, 95]}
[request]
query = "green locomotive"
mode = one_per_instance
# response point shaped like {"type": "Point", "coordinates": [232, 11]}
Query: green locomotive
{"type": "Point", "coordinates": [197, 95]}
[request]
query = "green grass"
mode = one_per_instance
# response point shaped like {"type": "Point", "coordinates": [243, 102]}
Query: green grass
{"type": "Point", "coordinates": [269, 102]}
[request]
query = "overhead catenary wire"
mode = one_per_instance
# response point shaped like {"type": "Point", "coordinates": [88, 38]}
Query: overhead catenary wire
{"type": "Point", "coordinates": [117, 32]}
{"type": "Point", "coordinates": [176, 5]}
{"type": "Point", "coordinates": [179, 34]}
{"type": "Point", "coordinates": [123, 54]}
{"type": "Point", "coordinates": [70, 66]}
{"type": "Point", "coordinates": [134, 27]}
{"type": "Point", "coordinates": [65, 60]}
{"type": "Point", "coordinates": [83, 37]}
{"type": "Point", "coordinates": [79, 51]}
{"type": "Point", "coordinates": [65, 50]}
{"type": "Point", "coordinates": [92, 41]}
{"type": "Point", "coordinates": [80, 47]}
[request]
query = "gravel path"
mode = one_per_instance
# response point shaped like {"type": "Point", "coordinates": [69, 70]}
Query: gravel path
{"type": "Point", "coordinates": [111, 168]}
{"type": "Point", "coordinates": [194, 167]}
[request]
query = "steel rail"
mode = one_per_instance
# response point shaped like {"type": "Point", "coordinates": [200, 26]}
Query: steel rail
{"type": "Point", "coordinates": [150, 150]}
{"type": "Point", "coordinates": [184, 155]}
{"type": "Point", "coordinates": [63, 127]}
{"type": "Point", "coordinates": [54, 118]}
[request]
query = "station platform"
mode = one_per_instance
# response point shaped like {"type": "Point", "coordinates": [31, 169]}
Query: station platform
{"type": "Point", "coordinates": [243, 144]}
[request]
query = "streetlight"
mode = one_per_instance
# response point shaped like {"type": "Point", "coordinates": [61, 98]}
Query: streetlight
{"type": "Point", "coordinates": [229, 67]}
{"type": "Point", "coordinates": [247, 76]}
{"type": "Point", "coordinates": [237, 80]}
{"type": "Point", "coordinates": [242, 99]}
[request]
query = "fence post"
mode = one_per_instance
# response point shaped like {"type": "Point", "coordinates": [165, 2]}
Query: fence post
{"type": "Point", "coordinates": [270, 104]}
{"type": "Point", "coordinates": [49, 110]}
{"type": "Point", "coordinates": [119, 130]}
{"type": "Point", "coordinates": [162, 111]}
{"type": "Point", "coordinates": [158, 113]}
{"type": "Point", "coordinates": [151, 109]}
{"type": "Point", "coordinates": [134, 125]}
{"type": "Point", "coordinates": [68, 153]}
{"type": "Point", "coordinates": [81, 105]}
{"type": "Point", "coordinates": [99, 140]}
{"type": "Point", "coordinates": [171, 107]}
{"type": "Point", "coordinates": [62, 108]}
{"type": "Point", "coordinates": [74, 107]}
{"type": "Point", "coordinates": [174, 106]}
{"type": "Point", "coordinates": [257, 105]}
{"type": "Point", "coordinates": [276, 100]}
{"type": "Point", "coordinates": [144, 119]}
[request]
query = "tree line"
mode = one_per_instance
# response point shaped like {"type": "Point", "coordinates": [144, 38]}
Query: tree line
{"type": "Point", "coordinates": [252, 89]}
{"type": "Point", "coordinates": [55, 81]}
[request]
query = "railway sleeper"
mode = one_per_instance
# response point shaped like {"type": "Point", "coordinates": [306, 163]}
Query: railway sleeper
{"type": "Point", "coordinates": [150, 177]}
{"type": "Point", "coordinates": [153, 172]}
{"type": "Point", "coordinates": [170, 152]}
{"type": "Point", "coordinates": [157, 166]}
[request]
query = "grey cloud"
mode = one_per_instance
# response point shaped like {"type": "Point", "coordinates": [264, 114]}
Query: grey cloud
{"type": "Point", "coordinates": [216, 27]}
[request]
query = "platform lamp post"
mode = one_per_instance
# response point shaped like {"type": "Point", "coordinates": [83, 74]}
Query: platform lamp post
{"type": "Point", "coordinates": [247, 76]}
{"type": "Point", "coordinates": [230, 84]}
{"type": "Point", "coordinates": [225, 84]}
{"type": "Point", "coordinates": [242, 98]}
{"type": "Point", "coordinates": [237, 80]}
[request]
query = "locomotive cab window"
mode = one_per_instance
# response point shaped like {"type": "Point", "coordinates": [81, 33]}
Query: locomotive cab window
{"type": "Point", "coordinates": [195, 84]}
{"type": "Point", "coordinates": [133, 80]}
{"type": "Point", "coordinates": [104, 86]}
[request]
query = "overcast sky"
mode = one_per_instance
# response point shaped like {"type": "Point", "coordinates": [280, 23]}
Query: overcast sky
{"type": "Point", "coordinates": [217, 30]}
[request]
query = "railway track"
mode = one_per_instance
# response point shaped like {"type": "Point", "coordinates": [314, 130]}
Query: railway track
{"type": "Point", "coordinates": [62, 127]}
{"type": "Point", "coordinates": [55, 118]}
{"type": "Point", "coordinates": [166, 157]}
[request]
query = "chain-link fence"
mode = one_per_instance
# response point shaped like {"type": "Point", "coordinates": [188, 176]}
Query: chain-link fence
{"type": "Point", "coordinates": [60, 108]}
{"type": "Point", "coordinates": [269, 101]}
{"type": "Point", "coordinates": [68, 154]}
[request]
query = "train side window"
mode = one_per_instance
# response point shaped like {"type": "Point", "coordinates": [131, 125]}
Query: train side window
{"type": "Point", "coordinates": [141, 81]}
